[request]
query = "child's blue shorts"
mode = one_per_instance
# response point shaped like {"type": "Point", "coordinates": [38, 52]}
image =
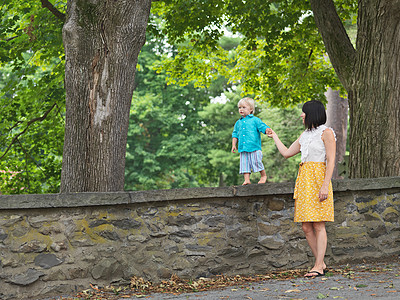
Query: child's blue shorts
{"type": "Point", "coordinates": [251, 161]}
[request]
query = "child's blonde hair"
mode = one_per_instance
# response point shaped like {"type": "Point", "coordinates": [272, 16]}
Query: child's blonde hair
{"type": "Point", "coordinates": [249, 102]}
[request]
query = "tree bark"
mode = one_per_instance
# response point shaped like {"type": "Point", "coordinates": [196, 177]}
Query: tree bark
{"type": "Point", "coordinates": [102, 41]}
{"type": "Point", "coordinates": [337, 43]}
{"type": "Point", "coordinates": [337, 113]}
{"type": "Point", "coordinates": [371, 77]}
{"type": "Point", "coordinates": [375, 110]}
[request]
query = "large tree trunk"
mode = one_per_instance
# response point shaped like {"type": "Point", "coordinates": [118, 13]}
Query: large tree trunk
{"type": "Point", "coordinates": [371, 76]}
{"type": "Point", "coordinates": [375, 109]}
{"type": "Point", "coordinates": [102, 41]}
{"type": "Point", "coordinates": [337, 113]}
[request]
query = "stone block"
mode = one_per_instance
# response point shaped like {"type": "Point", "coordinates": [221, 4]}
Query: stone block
{"type": "Point", "coordinates": [256, 252]}
{"type": "Point", "coordinates": [109, 235]}
{"type": "Point", "coordinates": [33, 246]}
{"type": "Point", "coordinates": [231, 252]}
{"type": "Point", "coordinates": [271, 242]}
{"type": "Point", "coordinates": [107, 268]}
{"type": "Point", "coordinates": [164, 273]}
{"type": "Point", "coordinates": [276, 204]}
{"type": "Point", "coordinates": [182, 233]}
{"type": "Point", "coordinates": [126, 224]}
{"type": "Point", "coordinates": [182, 220]}
{"type": "Point", "coordinates": [391, 217]}
{"type": "Point", "coordinates": [378, 231]}
{"type": "Point", "coordinates": [26, 278]}
{"type": "Point", "coordinates": [220, 269]}
{"type": "Point", "coordinates": [47, 260]}
{"type": "Point", "coordinates": [10, 220]}
{"type": "Point", "coordinates": [214, 221]}
{"type": "Point", "coordinates": [19, 231]}
{"type": "Point", "coordinates": [267, 229]}
{"type": "Point", "coordinates": [3, 235]}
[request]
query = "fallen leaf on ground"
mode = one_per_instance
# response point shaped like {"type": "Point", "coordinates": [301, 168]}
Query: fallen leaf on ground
{"type": "Point", "coordinates": [292, 291]}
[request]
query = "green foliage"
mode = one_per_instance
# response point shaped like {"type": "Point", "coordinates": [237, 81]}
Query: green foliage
{"type": "Point", "coordinates": [219, 120]}
{"type": "Point", "coordinates": [200, 67]}
{"type": "Point", "coordinates": [288, 79]}
{"type": "Point", "coordinates": [31, 98]}
{"type": "Point", "coordinates": [288, 125]}
{"type": "Point", "coordinates": [281, 67]}
{"type": "Point", "coordinates": [165, 149]}
{"type": "Point", "coordinates": [205, 20]}
{"type": "Point", "coordinates": [281, 57]}
{"type": "Point", "coordinates": [178, 138]}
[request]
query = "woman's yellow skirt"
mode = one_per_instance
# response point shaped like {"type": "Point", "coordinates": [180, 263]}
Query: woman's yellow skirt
{"type": "Point", "coordinates": [307, 207]}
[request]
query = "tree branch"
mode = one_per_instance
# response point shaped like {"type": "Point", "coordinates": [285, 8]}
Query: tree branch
{"type": "Point", "coordinates": [15, 138]}
{"type": "Point", "coordinates": [54, 11]}
{"type": "Point", "coordinates": [11, 38]}
{"type": "Point", "coordinates": [337, 43]}
{"type": "Point", "coordinates": [27, 154]}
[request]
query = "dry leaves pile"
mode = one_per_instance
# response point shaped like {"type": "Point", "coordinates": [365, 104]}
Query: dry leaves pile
{"type": "Point", "coordinates": [175, 285]}
{"type": "Point", "coordinates": [140, 288]}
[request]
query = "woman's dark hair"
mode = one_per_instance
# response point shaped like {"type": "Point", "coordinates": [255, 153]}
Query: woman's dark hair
{"type": "Point", "coordinates": [315, 114]}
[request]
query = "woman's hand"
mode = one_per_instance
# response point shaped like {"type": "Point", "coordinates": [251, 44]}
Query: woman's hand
{"type": "Point", "coordinates": [269, 132]}
{"type": "Point", "coordinates": [323, 193]}
{"type": "Point", "coordinates": [293, 149]}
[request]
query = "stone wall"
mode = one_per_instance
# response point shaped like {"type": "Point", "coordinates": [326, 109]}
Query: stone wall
{"type": "Point", "coordinates": [58, 244]}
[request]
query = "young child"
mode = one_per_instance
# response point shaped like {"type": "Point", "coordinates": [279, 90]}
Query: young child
{"type": "Point", "coordinates": [247, 132]}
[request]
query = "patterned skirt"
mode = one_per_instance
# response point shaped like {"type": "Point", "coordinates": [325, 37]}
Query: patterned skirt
{"type": "Point", "coordinates": [308, 208]}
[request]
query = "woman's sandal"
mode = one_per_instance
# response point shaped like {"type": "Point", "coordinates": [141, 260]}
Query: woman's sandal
{"type": "Point", "coordinates": [314, 274]}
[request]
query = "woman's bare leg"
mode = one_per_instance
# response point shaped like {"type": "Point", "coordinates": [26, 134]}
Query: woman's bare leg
{"type": "Point", "coordinates": [317, 239]}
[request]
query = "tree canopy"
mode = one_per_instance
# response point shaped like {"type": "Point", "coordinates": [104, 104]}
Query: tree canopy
{"type": "Point", "coordinates": [275, 51]}
{"type": "Point", "coordinates": [179, 138]}
{"type": "Point", "coordinates": [281, 57]}
{"type": "Point", "coordinates": [32, 64]}
{"type": "Point", "coordinates": [32, 97]}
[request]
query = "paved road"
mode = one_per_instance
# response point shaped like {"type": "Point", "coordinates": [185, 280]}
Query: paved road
{"type": "Point", "coordinates": [378, 281]}
{"type": "Point", "coordinates": [355, 282]}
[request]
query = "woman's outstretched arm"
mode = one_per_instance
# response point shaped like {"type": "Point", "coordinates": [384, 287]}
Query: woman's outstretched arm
{"type": "Point", "coordinates": [286, 152]}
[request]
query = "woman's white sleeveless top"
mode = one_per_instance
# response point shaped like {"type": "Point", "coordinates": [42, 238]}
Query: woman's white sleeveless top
{"type": "Point", "coordinates": [312, 147]}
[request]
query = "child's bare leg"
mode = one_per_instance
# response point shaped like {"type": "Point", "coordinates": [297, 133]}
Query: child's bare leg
{"type": "Point", "coordinates": [246, 179]}
{"type": "Point", "coordinates": [263, 178]}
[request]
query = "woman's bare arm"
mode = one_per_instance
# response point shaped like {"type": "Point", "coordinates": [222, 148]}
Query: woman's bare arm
{"type": "Point", "coordinates": [330, 147]}
{"type": "Point", "coordinates": [286, 152]}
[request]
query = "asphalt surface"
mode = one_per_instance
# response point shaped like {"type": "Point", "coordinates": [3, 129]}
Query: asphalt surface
{"type": "Point", "coordinates": [373, 280]}
{"type": "Point", "coordinates": [360, 282]}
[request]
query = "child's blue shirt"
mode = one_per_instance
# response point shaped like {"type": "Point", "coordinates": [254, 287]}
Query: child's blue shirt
{"type": "Point", "coordinates": [247, 131]}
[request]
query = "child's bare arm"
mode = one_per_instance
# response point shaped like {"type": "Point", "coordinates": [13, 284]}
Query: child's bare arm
{"type": "Point", "coordinates": [234, 142]}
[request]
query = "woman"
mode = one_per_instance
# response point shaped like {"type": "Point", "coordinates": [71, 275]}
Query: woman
{"type": "Point", "coordinates": [313, 190]}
